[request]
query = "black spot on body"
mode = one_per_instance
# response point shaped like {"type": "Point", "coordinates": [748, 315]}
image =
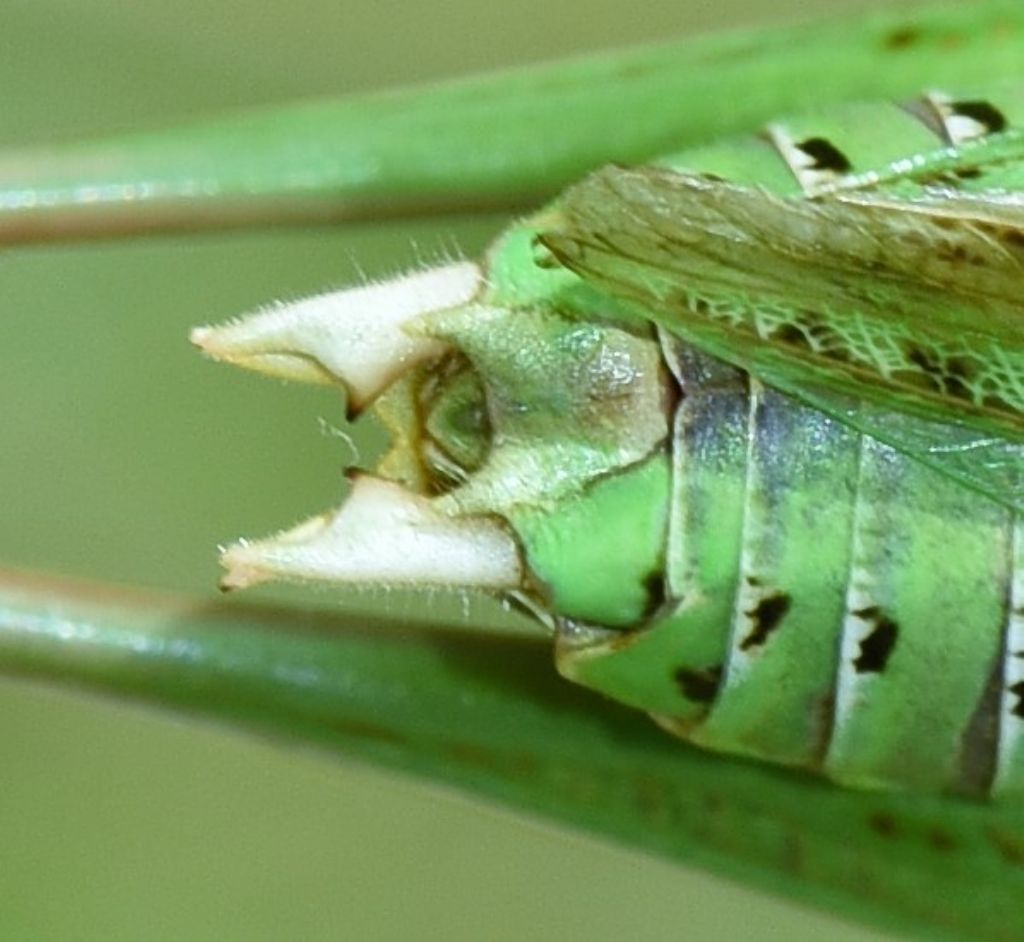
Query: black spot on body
{"type": "Point", "coordinates": [1008, 845]}
{"type": "Point", "coordinates": [903, 37]}
{"type": "Point", "coordinates": [984, 112]}
{"type": "Point", "coordinates": [941, 840]}
{"type": "Point", "coordinates": [767, 615]}
{"type": "Point", "coordinates": [699, 684]}
{"type": "Point", "coordinates": [825, 154]}
{"type": "Point", "coordinates": [654, 588]}
{"type": "Point", "coordinates": [877, 647]}
{"type": "Point", "coordinates": [1017, 690]}
{"type": "Point", "coordinates": [884, 824]}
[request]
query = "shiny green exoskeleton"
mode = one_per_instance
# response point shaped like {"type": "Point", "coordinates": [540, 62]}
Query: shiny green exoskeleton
{"type": "Point", "coordinates": [842, 581]}
{"type": "Point", "coordinates": [744, 427]}
{"type": "Point", "coordinates": [842, 588]}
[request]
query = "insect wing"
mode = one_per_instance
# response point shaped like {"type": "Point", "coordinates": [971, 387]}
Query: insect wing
{"type": "Point", "coordinates": [862, 304]}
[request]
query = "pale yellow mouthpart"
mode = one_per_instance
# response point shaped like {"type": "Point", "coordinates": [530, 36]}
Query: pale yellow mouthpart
{"type": "Point", "coordinates": [382, 535]}
{"type": "Point", "coordinates": [354, 337]}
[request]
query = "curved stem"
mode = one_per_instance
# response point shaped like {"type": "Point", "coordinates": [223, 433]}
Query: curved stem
{"type": "Point", "coordinates": [489, 716]}
{"type": "Point", "coordinates": [498, 141]}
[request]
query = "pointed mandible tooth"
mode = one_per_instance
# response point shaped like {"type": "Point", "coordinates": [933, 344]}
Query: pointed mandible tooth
{"type": "Point", "coordinates": [382, 535]}
{"type": "Point", "coordinates": [353, 336]}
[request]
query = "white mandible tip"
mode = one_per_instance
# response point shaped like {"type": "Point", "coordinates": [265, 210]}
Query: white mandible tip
{"type": "Point", "coordinates": [382, 535]}
{"type": "Point", "coordinates": [353, 336]}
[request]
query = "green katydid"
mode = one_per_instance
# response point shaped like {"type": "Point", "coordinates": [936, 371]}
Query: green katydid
{"type": "Point", "coordinates": [555, 228]}
{"type": "Point", "coordinates": [804, 583]}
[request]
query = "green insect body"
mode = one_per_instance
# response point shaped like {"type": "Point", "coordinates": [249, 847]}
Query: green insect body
{"type": "Point", "coordinates": [743, 428]}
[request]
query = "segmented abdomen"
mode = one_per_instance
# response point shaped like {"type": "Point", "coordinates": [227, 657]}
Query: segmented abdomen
{"type": "Point", "coordinates": [833, 604]}
{"type": "Point", "coordinates": [872, 617]}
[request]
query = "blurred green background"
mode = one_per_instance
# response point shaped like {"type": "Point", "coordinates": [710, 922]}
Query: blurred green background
{"type": "Point", "coordinates": [128, 458]}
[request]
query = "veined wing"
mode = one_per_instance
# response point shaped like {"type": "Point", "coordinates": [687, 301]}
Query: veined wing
{"type": "Point", "coordinates": [861, 303]}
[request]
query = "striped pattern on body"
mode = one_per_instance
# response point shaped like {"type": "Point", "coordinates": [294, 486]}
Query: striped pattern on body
{"type": "Point", "coordinates": [835, 604]}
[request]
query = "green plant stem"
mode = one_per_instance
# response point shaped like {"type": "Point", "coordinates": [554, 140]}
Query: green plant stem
{"type": "Point", "coordinates": [489, 716]}
{"type": "Point", "coordinates": [497, 141]}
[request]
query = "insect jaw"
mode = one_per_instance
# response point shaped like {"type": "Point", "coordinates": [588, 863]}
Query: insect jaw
{"type": "Point", "coordinates": [382, 535]}
{"type": "Point", "coordinates": [354, 338]}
